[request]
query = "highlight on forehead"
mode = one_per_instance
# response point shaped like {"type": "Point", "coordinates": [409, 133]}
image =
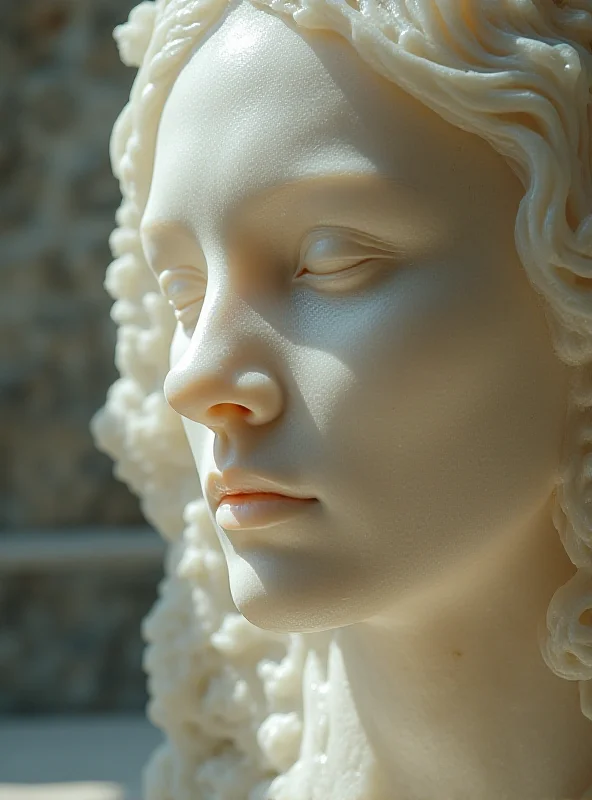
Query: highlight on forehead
{"type": "Point", "coordinates": [471, 62]}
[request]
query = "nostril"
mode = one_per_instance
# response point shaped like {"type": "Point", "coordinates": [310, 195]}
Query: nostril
{"type": "Point", "coordinates": [225, 411]}
{"type": "Point", "coordinates": [251, 397]}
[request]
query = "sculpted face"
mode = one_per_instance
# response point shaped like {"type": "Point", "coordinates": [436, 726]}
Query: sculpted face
{"type": "Point", "coordinates": [357, 339]}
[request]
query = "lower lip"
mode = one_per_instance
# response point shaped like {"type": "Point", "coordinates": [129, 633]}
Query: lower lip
{"type": "Point", "coordinates": [248, 511]}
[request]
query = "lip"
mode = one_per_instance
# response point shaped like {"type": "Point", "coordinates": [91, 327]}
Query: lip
{"type": "Point", "coordinates": [245, 501]}
{"type": "Point", "coordinates": [257, 510]}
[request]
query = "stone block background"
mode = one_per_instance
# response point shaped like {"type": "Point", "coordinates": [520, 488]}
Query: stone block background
{"type": "Point", "coordinates": [71, 643]}
{"type": "Point", "coordinates": [65, 641]}
{"type": "Point", "coordinates": [61, 88]}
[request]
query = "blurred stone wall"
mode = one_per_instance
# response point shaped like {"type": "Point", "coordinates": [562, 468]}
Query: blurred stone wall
{"type": "Point", "coordinates": [61, 88]}
{"type": "Point", "coordinates": [68, 641]}
{"type": "Point", "coordinates": [71, 642]}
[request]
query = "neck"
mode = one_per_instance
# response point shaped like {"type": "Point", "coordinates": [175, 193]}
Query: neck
{"type": "Point", "coordinates": [447, 695]}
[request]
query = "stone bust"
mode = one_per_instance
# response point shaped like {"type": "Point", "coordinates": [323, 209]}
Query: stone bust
{"type": "Point", "coordinates": [352, 270]}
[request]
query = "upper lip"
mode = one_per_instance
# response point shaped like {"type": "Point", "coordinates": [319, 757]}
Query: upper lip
{"type": "Point", "coordinates": [237, 481]}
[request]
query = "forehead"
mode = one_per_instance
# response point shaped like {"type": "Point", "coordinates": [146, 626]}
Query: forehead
{"type": "Point", "coordinates": [263, 104]}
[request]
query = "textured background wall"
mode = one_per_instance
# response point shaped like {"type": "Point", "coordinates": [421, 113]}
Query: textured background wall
{"type": "Point", "coordinates": [71, 642]}
{"type": "Point", "coordinates": [62, 87]}
{"type": "Point", "coordinates": [67, 641]}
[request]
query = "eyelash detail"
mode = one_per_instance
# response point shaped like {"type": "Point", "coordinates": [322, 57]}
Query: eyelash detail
{"type": "Point", "coordinates": [329, 256]}
{"type": "Point", "coordinates": [341, 269]}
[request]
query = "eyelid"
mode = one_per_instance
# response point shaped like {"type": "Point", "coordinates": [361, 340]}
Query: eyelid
{"type": "Point", "coordinates": [342, 249]}
{"type": "Point", "coordinates": [187, 304]}
{"type": "Point", "coordinates": [174, 273]}
{"type": "Point", "coordinates": [195, 284]}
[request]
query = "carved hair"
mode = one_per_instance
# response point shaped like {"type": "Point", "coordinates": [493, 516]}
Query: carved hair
{"type": "Point", "coordinates": [515, 72]}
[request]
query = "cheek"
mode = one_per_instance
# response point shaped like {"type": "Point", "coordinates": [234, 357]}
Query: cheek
{"type": "Point", "coordinates": [441, 400]}
{"type": "Point", "coordinates": [394, 358]}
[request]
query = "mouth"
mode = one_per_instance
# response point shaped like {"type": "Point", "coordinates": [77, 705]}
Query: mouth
{"type": "Point", "coordinates": [245, 502]}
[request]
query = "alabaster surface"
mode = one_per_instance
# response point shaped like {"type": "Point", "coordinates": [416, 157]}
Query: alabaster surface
{"type": "Point", "coordinates": [353, 258]}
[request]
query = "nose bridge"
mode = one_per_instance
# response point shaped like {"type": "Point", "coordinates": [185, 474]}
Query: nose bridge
{"type": "Point", "coordinates": [227, 369]}
{"type": "Point", "coordinates": [229, 334]}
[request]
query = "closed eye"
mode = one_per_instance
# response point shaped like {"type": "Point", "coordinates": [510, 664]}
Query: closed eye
{"type": "Point", "coordinates": [333, 254]}
{"type": "Point", "coordinates": [184, 288]}
{"type": "Point", "coordinates": [330, 269]}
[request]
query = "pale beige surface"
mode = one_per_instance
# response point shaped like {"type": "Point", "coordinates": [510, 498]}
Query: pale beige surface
{"type": "Point", "coordinates": [90, 758]}
{"type": "Point", "coordinates": [432, 511]}
{"type": "Point", "coordinates": [376, 411]}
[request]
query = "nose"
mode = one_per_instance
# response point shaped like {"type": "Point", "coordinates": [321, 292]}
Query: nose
{"type": "Point", "coordinates": [228, 373]}
{"type": "Point", "coordinates": [218, 396]}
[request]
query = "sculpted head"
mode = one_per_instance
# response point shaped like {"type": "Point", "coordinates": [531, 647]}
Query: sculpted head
{"type": "Point", "coordinates": [372, 222]}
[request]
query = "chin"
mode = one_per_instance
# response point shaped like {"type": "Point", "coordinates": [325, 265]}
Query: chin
{"type": "Point", "coordinates": [295, 594]}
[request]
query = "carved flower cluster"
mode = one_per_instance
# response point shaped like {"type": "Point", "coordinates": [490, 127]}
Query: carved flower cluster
{"type": "Point", "coordinates": [222, 689]}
